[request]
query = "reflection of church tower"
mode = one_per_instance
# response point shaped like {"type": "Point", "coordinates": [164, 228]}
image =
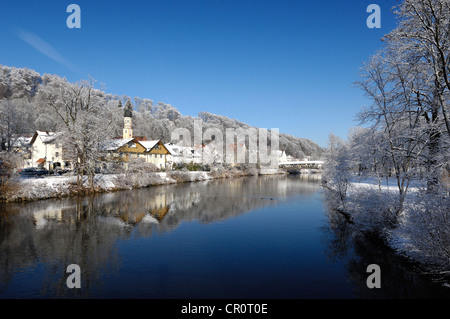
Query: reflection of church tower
{"type": "Point", "coordinates": [127, 116]}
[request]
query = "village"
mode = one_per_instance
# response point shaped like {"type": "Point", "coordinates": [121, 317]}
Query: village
{"type": "Point", "coordinates": [44, 153]}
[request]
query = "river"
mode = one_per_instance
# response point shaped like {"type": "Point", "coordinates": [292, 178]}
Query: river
{"type": "Point", "coordinates": [253, 237]}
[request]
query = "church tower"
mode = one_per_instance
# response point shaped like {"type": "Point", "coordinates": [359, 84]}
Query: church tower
{"type": "Point", "coordinates": [127, 123]}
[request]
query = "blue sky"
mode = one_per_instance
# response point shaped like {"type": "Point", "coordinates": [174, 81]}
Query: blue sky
{"type": "Point", "coordinates": [275, 64]}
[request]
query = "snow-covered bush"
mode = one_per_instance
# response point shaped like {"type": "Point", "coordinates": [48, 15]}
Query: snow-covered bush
{"type": "Point", "coordinates": [139, 165]}
{"type": "Point", "coordinates": [373, 211]}
{"type": "Point", "coordinates": [424, 233]}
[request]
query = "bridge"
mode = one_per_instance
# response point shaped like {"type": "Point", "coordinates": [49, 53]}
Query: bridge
{"type": "Point", "coordinates": [302, 165]}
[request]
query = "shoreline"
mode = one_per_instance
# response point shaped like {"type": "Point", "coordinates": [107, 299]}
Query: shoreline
{"type": "Point", "coordinates": [34, 189]}
{"type": "Point", "coordinates": [369, 209]}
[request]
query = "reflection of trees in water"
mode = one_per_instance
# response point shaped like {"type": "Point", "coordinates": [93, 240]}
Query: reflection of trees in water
{"type": "Point", "coordinates": [399, 278]}
{"type": "Point", "coordinates": [84, 230]}
{"type": "Point", "coordinates": [69, 235]}
{"type": "Point", "coordinates": [210, 201]}
{"type": "Point", "coordinates": [337, 235]}
{"type": "Point", "coordinates": [15, 249]}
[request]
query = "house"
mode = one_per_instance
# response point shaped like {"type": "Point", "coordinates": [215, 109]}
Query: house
{"type": "Point", "coordinates": [192, 155]}
{"type": "Point", "coordinates": [46, 150]}
{"type": "Point", "coordinates": [282, 157]}
{"type": "Point", "coordinates": [176, 154]}
{"type": "Point", "coordinates": [183, 154]}
{"type": "Point", "coordinates": [130, 148]}
{"type": "Point", "coordinates": [156, 153]}
{"type": "Point", "coordinates": [125, 150]}
{"type": "Point", "coordinates": [122, 150]}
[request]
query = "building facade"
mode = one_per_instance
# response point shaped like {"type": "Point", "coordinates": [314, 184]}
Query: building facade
{"type": "Point", "coordinates": [46, 150]}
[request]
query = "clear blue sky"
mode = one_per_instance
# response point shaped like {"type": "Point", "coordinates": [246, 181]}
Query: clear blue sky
{"type": "Point", "coordinates": [274, 64]}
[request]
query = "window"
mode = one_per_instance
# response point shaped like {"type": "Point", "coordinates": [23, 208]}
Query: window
{"type": "Point", "coordinates": [56, 154]}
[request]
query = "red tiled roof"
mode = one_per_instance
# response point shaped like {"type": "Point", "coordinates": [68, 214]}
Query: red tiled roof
{"type": "Point", "coordinates": [41, 160]}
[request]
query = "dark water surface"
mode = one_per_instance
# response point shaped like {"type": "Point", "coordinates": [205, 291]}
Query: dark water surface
{"type": "Point", "coordinates": [259, 237]}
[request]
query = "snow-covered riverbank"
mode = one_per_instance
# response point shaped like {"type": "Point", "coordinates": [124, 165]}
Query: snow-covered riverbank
{"type": "Point", "coordinates": [60, 186]}
{"type": "Point", "coordinates": [420, 231]}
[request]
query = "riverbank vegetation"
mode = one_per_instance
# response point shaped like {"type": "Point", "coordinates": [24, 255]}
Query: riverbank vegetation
{"type": "Point", "coordinates": [17, 189]}
{"type": "Point", "coordinates": [392, 175]}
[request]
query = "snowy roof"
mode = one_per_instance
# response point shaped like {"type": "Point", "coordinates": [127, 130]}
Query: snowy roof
{"type": "Point", "coordinates": [149, 144]}
{"type": "Point", "coordinates": [178, 150]}
{"type": "Point", "coordinates": [46, 137]}
{"type": "Point", "coordinates": [114, 144]}
{"type": "Point", "coordinates": [175, 150]}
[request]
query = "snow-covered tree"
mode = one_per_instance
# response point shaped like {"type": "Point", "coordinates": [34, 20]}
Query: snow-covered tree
{"type": "Point", "coordinates": [338, 167]}
{"type": "Point", "coordinates": [84, 121]}
{"type": "Point", "coordinates": [14, 121]}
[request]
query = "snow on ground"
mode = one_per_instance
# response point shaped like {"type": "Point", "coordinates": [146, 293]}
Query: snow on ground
{"type": "Point", "coordinates": [387, 185]}
{"type": "Point", "coordinates": [45, 187]}
{"type": "Point", "coordinates": [422, 227]}
{"type": "Point", "coordinates": [59, 186]}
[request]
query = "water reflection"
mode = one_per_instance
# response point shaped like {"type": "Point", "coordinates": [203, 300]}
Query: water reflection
{"type": "Point", "coordinates": [276, 253]}
{"type": "Point", "coordinates": [48, 235]}
{"type": "Point", "coordinates": [399, 278]}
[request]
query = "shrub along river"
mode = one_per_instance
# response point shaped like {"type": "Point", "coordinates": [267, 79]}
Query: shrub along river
{"type": "Point", "coordinates": [253, 237]}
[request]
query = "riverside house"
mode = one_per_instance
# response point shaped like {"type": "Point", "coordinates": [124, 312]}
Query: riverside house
{"type": "Point", "coordinates": [46, 150]}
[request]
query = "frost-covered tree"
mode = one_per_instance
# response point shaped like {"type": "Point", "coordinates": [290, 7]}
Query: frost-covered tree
{"type": "Point", "coordinates": [423, 37]}
{"type": "Point", "coordinates": [84, 121]}
{"type": "Point", "coordinates": [18, 83]}
{"type": "Point", "coordinates": [407, 83]}
{"type": "Point", "coordinates": [14, 121]}
{"type": "Point", "coordinates": [406, 136]}
{"type": "Point", "coordinates": [338, 167]}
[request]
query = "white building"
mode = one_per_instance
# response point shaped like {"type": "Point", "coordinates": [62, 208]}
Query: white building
{"type": "Point", "coordinates": [176, 156]}
{"type": "Point", "coordinates": [156, 153]}
{"type": "Point", "coordinates": [282, 157]}
{"type": "Point", "coordinates": [47, 151]}
{"type": "Point", "coordinates": [183, 154]}
{"type": "Point", "coordinates": [126, 150]}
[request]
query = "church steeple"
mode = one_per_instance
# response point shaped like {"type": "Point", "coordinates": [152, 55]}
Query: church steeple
{"type": "Point", "coordinates": [127, 121]}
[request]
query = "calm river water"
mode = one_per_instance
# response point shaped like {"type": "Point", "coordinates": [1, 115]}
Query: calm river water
{"type": "Point", "coordinates": [259, 237]}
